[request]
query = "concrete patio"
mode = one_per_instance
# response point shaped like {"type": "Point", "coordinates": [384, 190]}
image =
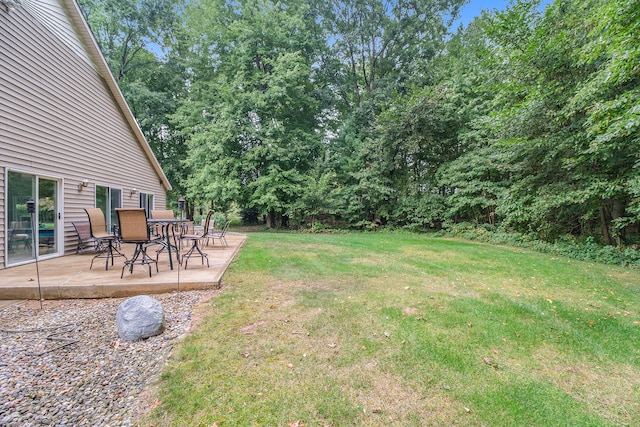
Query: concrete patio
{"type": "Point", "coordinates": [70, 276]}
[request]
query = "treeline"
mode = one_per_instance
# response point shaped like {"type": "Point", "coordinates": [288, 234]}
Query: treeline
{"type": "Point", "coordinates": [369, 113]}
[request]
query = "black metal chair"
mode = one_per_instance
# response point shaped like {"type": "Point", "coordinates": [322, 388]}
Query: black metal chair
{"type": "Point", "coordinates": [195, 238]}
{"type": "Point", "coordinates": [220, 235]}
{"type": "Point", "coordinates": [19, 233]}
{"type": "Point", "coordinates": [83, 233]}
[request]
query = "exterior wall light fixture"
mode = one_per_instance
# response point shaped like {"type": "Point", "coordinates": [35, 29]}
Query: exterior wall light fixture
{"type": "Point", "coordinates": [84, 184]}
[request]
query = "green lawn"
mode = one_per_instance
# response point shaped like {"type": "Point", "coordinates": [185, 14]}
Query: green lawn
{"type": "Point", "coordinates": [408, 330]}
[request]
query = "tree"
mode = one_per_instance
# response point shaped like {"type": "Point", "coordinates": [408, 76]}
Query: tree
{"type": "Point", "coordinates": [378, 45]}
{"type": "Point", "coordinates": [252, 111]}
{"type": "Point", "coordinates": [129, 31]}
{"type": "Point", "coordinates": [377, 52]}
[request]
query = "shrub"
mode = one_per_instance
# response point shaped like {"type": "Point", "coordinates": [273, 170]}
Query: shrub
{"type": "Point", "coordinates": [585, 250]}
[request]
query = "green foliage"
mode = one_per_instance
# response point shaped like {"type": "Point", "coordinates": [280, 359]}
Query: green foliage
{"type": "Point", "coordinates": [127, 29]}
{"type": "Point", "coordinates": [365, 114]}
{"type": "Point", "coordinates": [422, 211]}
{"type": "Point", "coordinates": [250, 216]}
{"type": "Point", "coordinates": [476, 181]}
{"type": "Point", "coordinates": [251, 114]}
{"type": "Point", "coordinates": [587, 249]}
{"type": "Point", "coordinates": [218, 220]}
{"type": "Point", "coordinates": [565, 173]}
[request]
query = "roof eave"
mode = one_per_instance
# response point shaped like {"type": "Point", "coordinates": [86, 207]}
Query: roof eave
{"type": "Point", "coordinates": [101, 65]}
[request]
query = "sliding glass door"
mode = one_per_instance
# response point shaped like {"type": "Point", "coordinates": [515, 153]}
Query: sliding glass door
{"type": "Point", "coordinates": [30, 232]}
{"type": "Point", "coordinates": [108, 199]}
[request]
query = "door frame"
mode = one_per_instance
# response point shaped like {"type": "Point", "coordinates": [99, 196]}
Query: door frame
{"type": "Point", "coordinates": [58, 249]}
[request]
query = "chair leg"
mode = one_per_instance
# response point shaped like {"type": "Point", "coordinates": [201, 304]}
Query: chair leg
{"type": "Point", "coordinates": [129, 262]}
{"type": "Point", "coordinates": [135, 259]}
{"type": "Point", "coordinates": [193, 249]}
{"type": "Point", "coordinates": [107, 251]}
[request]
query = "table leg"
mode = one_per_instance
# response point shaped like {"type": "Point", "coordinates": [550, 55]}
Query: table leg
{"type": "Point", "coordinates": [166, 233]}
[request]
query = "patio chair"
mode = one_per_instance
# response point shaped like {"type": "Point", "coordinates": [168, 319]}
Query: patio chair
{"type": "Point", "coordinates": [195, 250]}
{"type": "Point", "coordinates": [83, 233]}
{"type": "Point", "coordinates": [220, 235]}
{"type": "Point", "coordinates": [105, 241]}
{"type": "Point", "coordinates": [135, 229]}
{"type": "Point", "coordinates": [159, 230]}
{"type": "Point", "coordinates": [19, 233]}
{"type": "Point", "coordinates": [160, 214]}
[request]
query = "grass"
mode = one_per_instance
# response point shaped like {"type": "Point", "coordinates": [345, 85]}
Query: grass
{"type": "Point", "coordinates": [408, 330]}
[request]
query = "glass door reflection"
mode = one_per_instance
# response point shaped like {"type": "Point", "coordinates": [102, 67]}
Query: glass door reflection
{"type": "Point", "coordinates": [22, 241]}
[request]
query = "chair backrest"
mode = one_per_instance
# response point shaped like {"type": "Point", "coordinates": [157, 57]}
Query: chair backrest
{"type": "Point", "coordinates": [97, 223]}
{"type": "Point", "coordinates": [133, 224]}
{"type": "Point", "coordinates": [187, 227]}
{"type": "Point", "coordinates": [225, 228]}
{"type": "Point", "coordinates": [19, 225]}
{"type": "Point", "coordinates": [207, 222]}
{"type": "Point", "coordinates": [83, 230]}
{"type": "Point", "coordinates": [162, 214]}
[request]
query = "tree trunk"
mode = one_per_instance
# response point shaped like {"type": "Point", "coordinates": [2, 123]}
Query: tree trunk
{"type": "Point", "coordinates": [270, 219]}
{"type": "Point", "coordinates": [617, 211]}
{"type": "Point", "coordinates": [606, 233]}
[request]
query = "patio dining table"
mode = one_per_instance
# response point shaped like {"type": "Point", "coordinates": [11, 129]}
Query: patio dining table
{"type": "Point", "coordinates": [165, 223]}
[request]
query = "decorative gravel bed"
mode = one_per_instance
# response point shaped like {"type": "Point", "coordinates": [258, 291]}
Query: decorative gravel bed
{"type": "Point", "coordinates": [65, 365]}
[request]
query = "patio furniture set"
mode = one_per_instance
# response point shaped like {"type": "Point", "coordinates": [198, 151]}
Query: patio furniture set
{"type": "Point", "coordinates": [162, 231]}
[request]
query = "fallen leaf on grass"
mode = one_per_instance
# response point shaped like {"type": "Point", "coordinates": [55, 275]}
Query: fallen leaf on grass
{"type": "Point", "coordinates": [490, 362]}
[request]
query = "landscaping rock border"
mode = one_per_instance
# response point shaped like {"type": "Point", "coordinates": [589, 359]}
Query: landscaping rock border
{"type": "Point", "coordinates": [65, 365]}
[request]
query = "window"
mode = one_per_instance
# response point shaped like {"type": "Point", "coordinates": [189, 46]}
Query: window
{"type": "Point", "coordinates": [108, 199]}
{"type": "Point", "coordinates": [146, 202]}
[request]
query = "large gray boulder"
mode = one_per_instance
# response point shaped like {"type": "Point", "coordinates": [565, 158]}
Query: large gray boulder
{"type": "Point", "coordinates": [139, 317]}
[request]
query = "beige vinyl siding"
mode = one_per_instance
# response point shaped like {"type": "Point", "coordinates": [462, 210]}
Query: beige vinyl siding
{"type": "Point", "coordinates": [58, 118]}
{"type": "Point", "coordinates": [52, 16]}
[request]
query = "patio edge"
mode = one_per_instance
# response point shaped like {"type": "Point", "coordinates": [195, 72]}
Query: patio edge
{"type": "Point", "coordinates": [118, 290]}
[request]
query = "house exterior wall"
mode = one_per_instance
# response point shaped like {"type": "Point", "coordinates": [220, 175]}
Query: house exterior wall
{"type": "Point", "coordinates": [58, 118]}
